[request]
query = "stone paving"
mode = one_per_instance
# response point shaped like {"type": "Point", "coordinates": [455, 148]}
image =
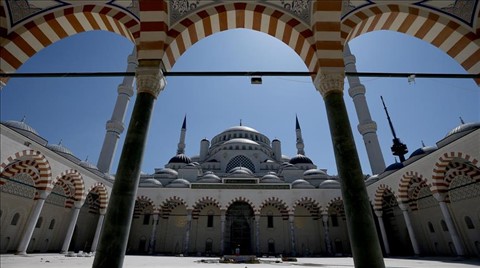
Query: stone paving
{"type": "Point", "coordinates": [62, 261]}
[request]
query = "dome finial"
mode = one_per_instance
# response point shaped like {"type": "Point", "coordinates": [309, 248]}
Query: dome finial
{"type": "Point", "coordinates": [86, 159]}
{"type": "Point", "coordinates": [60, 142]}
{"type": "Point", "coordinates": [423, 144]}
{"type": "Point", "coordinates": [461, 120]}
{"type": "Point", "coordinates": [23, 119]}
{"type": "Point", "coordinates": [240, 121]}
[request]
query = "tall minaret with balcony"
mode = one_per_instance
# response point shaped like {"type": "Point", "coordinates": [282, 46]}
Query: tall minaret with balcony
{"type": "Point", "coordinates": [115, 125]}
{"type": "Point", "coordinates": [367, 127]}
{"type": "Point", "coordinates": [298, 131]}
{"type": "Point", "coordinates": [181, 143]}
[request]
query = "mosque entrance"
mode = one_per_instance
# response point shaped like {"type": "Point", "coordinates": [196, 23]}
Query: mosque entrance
{"type": "Point", "coordinates": [239, 223]}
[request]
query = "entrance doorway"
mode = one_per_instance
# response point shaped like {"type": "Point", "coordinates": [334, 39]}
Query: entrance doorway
{"type": "Point", "coordinates": [239, 223]}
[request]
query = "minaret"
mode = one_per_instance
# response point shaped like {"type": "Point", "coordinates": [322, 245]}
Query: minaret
{"type": "Point", "coordinates": [367, 127]}
{"type": "Point", "coordinates": [398, 148]}
{"type": "Point", "coordinates": [115, 125]}
{"type": "Point", "coordinates": [181, 143]}
{"type": "Point", "coordinates": [298, 131]}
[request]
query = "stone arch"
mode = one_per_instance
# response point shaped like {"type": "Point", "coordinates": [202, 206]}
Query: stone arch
{"type": "Point", "coordinates": [249, 15]}
{"type": "Point", "coordinates": [170, 204]}
{"type": "Point", "coordinates": [446, 162]}
{"type": "Point", "coordinates": [310, 205]}
{"type": "Point", "coordinates": [74, 178]}
{"type": "Point", "coordinates": [32, 162]}
{"type": "Point", "coordinates": [379, 195]}
{"type": "Point", "coordinates": [245, 200]}
{"type": "Point", "coordinates": [69, 196]}
{"type": "Point", "coordinates": [409, 187]}
{"type": "Point", "coordinates": [278, 204]}
{"type": "Point", "coordinates": [444, 32]}
{"type": "Point", "coordinates": [337, 205]}
{"type": "Point", "coordinates": [141, 204]}
{"type": "Point", "coordinates": [203, 203]}
{"type": "Point", "coordinates": [100, 189]}
{"type": "Point", "coordinates": [45, 28]}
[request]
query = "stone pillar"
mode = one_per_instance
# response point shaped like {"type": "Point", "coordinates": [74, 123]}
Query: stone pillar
{"type": "Point", "coordinates": [452, 229]}
{"type": "Point", "coordinates": [151, 244]}
{"type": "Point", "coordinates": [31, 222]}
{"type": "Point", "coordinates": [366, 126]}
{"type": "Point", "coordinates": [379, 214]}
{"type": "Point", "coordinates": [328, 243]}
{"type": "Point", "coordinates": [411, 233]}
{"type": "Point", "coordinates": [361, 227]}
{"type": "Point", "coordinates": [291, 219]}
{"type": "Point", "coordinates": [98, 231]}
{"type": "Point", "coordinates": [114, 238]}
{"type": "Point", "coordinates": [115, 125]}
{"type": "Point", "coordinates": [186, 242]}
{"type": "Point", "coordinates": [222, 231]}
{"type": "Point", "coordinates": [257, 234]}
{"type": "Point", "coordinates": [71, 227]}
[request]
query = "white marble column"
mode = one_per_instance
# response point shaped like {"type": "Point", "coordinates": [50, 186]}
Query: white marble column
{"type": "Point", "coordinates": [187, 232]}
{"type": "Point", "coordinates": [379, 214]}
{"type": "Point", "coordinates": [151, 244]}
{"type": "Point", "coordinates": [291, 219]}
{"type": "Point", "coordinates": [98, 230]}
{"type": "Point", "coordinates": [222, 231]}
{"type": "Point", "coordinates": [408, 222]}
{"type": "Point", "coordinates": [257, 234]}
{"type": "Point", "coordinates": [71, 227]}
{"type": "Point", "coordinates": [328, 244]}
{"type": "Point", "coordinates": [31, 222]}
{"type": "Point", "coordinates": [452, 229]}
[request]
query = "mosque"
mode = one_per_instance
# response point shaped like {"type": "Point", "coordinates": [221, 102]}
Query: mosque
{"type": "Point", "coordinates": [240, 194]}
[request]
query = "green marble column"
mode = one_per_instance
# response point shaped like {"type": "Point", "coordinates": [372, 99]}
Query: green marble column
{"type": "Point", "coordinates": [361, 226]}
{"type": "Point", "coordinates": [115, 232]}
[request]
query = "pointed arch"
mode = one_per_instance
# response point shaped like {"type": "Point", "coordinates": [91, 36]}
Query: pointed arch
{"type": "Point", "coordinates": [381, 191]}
{"type": "Point", "coordinates": [74, 178]}
{"type": "Point", "coordinates": [245, 200]}
{"type": "Point", "coordinates": [142, 204]}
{"type": "Point", "coordinates": [170, 204]}
{"type": "Point", "coordinates": [336, 204]}
{"type": "Point", "coordinates": [446, 162]}
{"type": "Point", "coordinates": [278, 204]}
{"type": "Point", "coordinates": [100, 189]}
{"type": "Point", "coordinates": [311, 205]}
{"type": "Point", "coordinates": [203, 203]}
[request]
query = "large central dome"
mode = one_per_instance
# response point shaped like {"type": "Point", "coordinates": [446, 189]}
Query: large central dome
{"type": "Point", "coordinates": [244, 134]}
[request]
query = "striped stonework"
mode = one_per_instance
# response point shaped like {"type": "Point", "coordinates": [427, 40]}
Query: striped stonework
{"type": "Point", "coordinates": [446, 162]}
{"type": "Point", "coordinates": [452, 36]}
{"type": "Point", "coordinates": [69, 196]}
{"type": "Point", "coordinates": [100, 189]}
{"type": "Point", "coordinates": [203, 203]}
{"type": "Point", "coordinates": [310, 205]}
{"type": "Point", "coordinates": [29, 159]}
{"type": "Point", "coordinates": [73, 178]}
{"type": "Point", "coordinates": [41, 31]}
{"type": "Point", "coordinates": [379, 194]}
{"type": "Point", "coordinates": [143, 205]}
{"type": "Point", "coordinates": [409, 179]}
{"type": "Point", "coordinates": [336, 204]}
{"type": "Point", "coordinates": [248, 15]}
{"type": "Point", "coordinates": [170, 204]}
{"type": "Point", "coordinates": [153, 29]}
{"type": "Point", "coordinates": [278, 204]}
{"type": "Point", "coordinates": [244, 200]}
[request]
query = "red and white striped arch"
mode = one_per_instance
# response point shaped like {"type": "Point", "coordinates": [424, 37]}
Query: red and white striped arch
{"type": "Point", "coordinates": [29, 160]}
{"type": "Point", "coordinates": [100, 189]}
{"type": "Point", "coordinates": [73, 178]}
{"type": "Point", "coordinates": [409, 179]}
{"type": "Point", "coordinates": [69, 200]}
{"type": "Point", "coordinates": [453, 37]}
{"type": "Point", "coordinates": [379, 194]}
{"type": "Point", "coordinates": [41, 31]}
{"type": "Point", "coordinates": [154, 28]}
{"type": "Point", "coordinates": [246, 15]}
{"type": "Point", "coordinates": [144, 204]}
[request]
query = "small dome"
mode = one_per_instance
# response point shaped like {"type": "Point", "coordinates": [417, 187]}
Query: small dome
{"type": "Point", "coordinates": [329, 184]}
{"type": "Point", "coordinates": [394, 166]}
{"type": "Point", "coordinates": [166, 172]}
{"type": "Point", "coordinates": [285, 158]}
{"type": "Point", "coordinates": [241, 128]}
{"type": "Point", "coordinates": [241, 141]}
{"type": "Point", "coordinates": [87, 164]}
{"type": "Point", "coordinates": [300, 159]}
{"type": "Point", "coordinates": [423, 150]}
{"type": "Point", "coordinates": [315, 174]}
{"type": "Point", "coordinates": [463, 128]}
{"type": "Point", "coordinates": [301, 184]}
{"type": "Point", "coordinates": [180, 158]}
{"type": "Point", "coordinates": [150, 183]}
{"type": "Point", "coordinates": [241, 172]}
{"type": "Point", "coordinates": [108, 177]}
{"type": "Point", "coordinates": [179, 183]}
{"type": "Point", "coordinates": [20, 125]}
{"type": "Point", "coordinates": [271, 177]}
{"type": "Point", "coordinates": [209, 177]}
{"type": "Point", "coordinates": [59, 148]}
{"type": "Point", "coordinates": [372, 179]}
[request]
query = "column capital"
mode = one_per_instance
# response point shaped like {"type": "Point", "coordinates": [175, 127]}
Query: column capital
{"type": "Point", "coordinates": [326, 83]}
{"type": "Point", "coordinates": [79, 203]}
{"type": "Point", "coordinates": [379, 213]}
{"type": "Point", "coordinates": [150, 78]}
{"type": "Point", "coordinates": [440, 196]}
{"type": "Point", "coordinates": [403, 206]}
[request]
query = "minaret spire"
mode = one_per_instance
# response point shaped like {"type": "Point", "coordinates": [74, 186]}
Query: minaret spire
{"type": "Point", "coordinates": [398, 148]}
{"type": "Point", "coordinates": [181, 143]}
{"type": "Point", "coordinates": [298, 130]}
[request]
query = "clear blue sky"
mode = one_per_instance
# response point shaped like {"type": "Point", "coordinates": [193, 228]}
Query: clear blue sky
{"type": "Point", "coordinates": [75, 109]}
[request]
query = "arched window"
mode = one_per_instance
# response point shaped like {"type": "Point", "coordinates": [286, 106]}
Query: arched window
{"type": "Point", "coordinates": [15, 219]}
{"type": "Point", "coordinates": [240, 161]}
{"type": "Point", "coordinates": [444, 226]}
{"type": "Point", "coordinates": [52, 224]}
{"type": "Point", "coordinates": [469, 223]}
{"type": "Point", "coordinates": [39, 223]}
{"type": "Point", "coordinates": [430, 227]}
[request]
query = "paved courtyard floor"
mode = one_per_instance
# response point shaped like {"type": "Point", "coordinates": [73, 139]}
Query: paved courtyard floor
{"type": "Point", "coordinates": [61, 261]}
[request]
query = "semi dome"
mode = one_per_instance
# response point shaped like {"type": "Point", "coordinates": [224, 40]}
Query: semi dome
{"type": "Point", "coordinates": [166, 172]}
{"type": "Point", "coordinates": [241, 172]}
{"type": "Point", "coordinates": [315, 174]}
{"type": "Point", "coordinates": [372, 179]}
{"type": "Point", "coordinates": [394, 166]}
{"type": "Point", "coordinates": [423, 150]}
{"type": "Point", "coordinates": [302, 184]}
{"type": "Point", "coordinates": [59, 148]}
{"type": "Point", "coordinates": [180, 158]}
{"type": "Point", "coordinates": [300, 159]}
{"type": "Point", "coordinates": [241, 128]}
{"type": "Point", "coordinates": [463, 128]}
{"type": "Point", "coordinates": [179, 183]}
{"type": "Point", "coordinates": [150, 183]}
{"type": "Point", "coordinates": [20, 125]}
{"type": "Point", "coordinates": [329, 184]}
{"type": "Point", "coordinates": [241, 141]}
{"type": "Point", "coordinates": [271, 177]}
{"type": "Point", "coordinates": [209, 177]}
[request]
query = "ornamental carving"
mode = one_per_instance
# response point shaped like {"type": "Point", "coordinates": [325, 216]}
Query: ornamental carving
{"type": "Point", "coordinates": [150, 80]}
{"type": "Point", "coordinates": [326, 83]}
